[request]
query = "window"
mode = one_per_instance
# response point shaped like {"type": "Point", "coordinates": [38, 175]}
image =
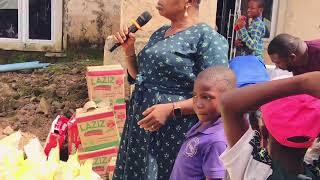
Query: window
{"type": "Point", "coordinates": [40, 19]}
{"type": "Point", "coordinates": [9, 19]}
{"type": "Point", "coordinates": [33, 25]}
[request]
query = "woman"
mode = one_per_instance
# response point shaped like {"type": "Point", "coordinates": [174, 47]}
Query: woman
{"type": "Point", "coordinates": [160, 111]}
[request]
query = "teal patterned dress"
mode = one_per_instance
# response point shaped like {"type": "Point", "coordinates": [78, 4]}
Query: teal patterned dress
{"type": "Point", "coordinates": [167, 69]}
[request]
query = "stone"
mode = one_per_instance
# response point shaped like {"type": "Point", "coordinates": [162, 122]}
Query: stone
{"type": "Point", "coordinates": [76, 71]}
{"type": "Point", "coordinates": [8, 130]}
{"type": "Point", "coordinates": [33, 99]}
{"type": "Point", "coordinates": [3, 114]}
{"type": "Point", "coordinates": [51, 87]}
{"type": "Point", "coordinates": [57, 104]}
{"type": "Point", "coordinates": [44, 106]}
{"type": "Point", "coordinates": [14, 86]}
{"type": "Point", "coordinates": [16, 127]}
{"type": "Point", "coordinates": [62, 92]}
{"type": "Point", "coordinates": [6, 91]}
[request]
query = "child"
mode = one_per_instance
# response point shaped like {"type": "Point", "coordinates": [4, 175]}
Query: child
{"type": "Point", "coordinates": [250, 40]}
{"type": "Point", "coordinates": [291, 122]}
{"type": "Point", "coordinates": [198, 157]}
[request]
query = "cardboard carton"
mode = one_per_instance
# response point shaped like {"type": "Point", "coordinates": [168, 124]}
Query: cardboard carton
{"type": "Point", "coordinates": [97, 128]}
{"type": "Point", "coordinates": [111, 166]}
{"type": "Point", "coordinates": [120, 116]}
{"type": "Point", "coordinates": [100, 158]}
{"type": "Point", "coordinates": [106, 84]}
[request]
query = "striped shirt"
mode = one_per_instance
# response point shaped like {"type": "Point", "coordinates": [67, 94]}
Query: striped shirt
{"type": "Point", "coordinates": [252, 38]}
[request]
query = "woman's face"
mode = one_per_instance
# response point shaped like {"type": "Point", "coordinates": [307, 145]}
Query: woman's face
{"type": "Point", "coordinates": [171, 8]}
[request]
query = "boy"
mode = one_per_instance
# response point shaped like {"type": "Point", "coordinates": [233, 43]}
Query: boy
{"type": "Point", "coordinates": [291, 122]}
{"type": "Point", "coordinates": [198, 157]}
{"type": "Point", "coordinates": [295, 55]}
{"type": "Point", "coordinates": [250, 40]}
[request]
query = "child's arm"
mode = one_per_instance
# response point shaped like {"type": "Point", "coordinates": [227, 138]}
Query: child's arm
{"type": "Point", "coordinates": [234, 103]}
{"type": "Point", "coordinates": [251, 40]}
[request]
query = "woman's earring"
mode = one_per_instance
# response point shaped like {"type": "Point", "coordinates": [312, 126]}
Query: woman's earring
{"type": "Point", "coordinates": [186, 11]}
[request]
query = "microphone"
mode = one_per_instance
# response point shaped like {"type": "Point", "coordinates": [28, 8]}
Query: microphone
{"type": "Point", "coordinates": [143, 19]}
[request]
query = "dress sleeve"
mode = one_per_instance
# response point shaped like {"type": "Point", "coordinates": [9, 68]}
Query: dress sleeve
{"type": "Point", "coordinates": [212, 50]}
{"type": "Point", "coordinates": [246, 160]}
{"type": "Point", "coordinates": [211, 164]}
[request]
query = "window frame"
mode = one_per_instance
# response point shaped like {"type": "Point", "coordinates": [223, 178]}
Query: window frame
{"type": "Point", "coordinates": [274, 19]}
{"type": "Point", "coordinates": [23, 43]}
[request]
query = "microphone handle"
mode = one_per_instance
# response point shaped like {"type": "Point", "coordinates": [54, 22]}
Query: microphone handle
{"type": "Point", "coordinates": [132, 29]}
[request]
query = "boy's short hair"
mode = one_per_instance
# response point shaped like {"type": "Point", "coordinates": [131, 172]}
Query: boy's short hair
{"type": "Point", "coordinates": [283, 45]}
{"type": "Point", "coordinates": [220, 76]}
{"type": "Point", "coordinates": [260, 2]}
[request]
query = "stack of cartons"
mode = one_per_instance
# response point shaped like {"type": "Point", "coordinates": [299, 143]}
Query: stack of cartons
{"type": "Point", "coordinates": [93, 133]}
{"type": "Point", "coordinates": [98, 130]}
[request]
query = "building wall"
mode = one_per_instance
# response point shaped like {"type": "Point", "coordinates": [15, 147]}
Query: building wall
{"type": "Point", "coordinates": [302, 19]}
{"type": "Point", "coordinates": [90, 22]}
{"type": "Point", "coordinates": [299, 18]}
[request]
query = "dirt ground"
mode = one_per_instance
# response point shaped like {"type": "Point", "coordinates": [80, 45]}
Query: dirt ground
{"type": "Point", "coordinates": [30, 100]}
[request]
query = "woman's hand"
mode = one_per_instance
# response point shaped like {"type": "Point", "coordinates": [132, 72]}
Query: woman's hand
{"type": "Point", "coordinates": [156, 116]}
{"type": "Point", "coordinates": [127, 44]}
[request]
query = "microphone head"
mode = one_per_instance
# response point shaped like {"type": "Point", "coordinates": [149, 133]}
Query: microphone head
{"type": "Point", "coordinates": [144, 18]}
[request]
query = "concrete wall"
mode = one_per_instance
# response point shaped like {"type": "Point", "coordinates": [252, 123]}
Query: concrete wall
{"type": "Point", "coordinates": [299, 18]}
{"type": "Point", "coordinates": [90, 22]}
{"type": "Point", "coordinates": [302, 19]}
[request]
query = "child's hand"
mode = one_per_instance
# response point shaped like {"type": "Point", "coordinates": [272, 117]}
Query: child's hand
{"type": "Point", "coordinates": [241, 22]}
{"type": "Point", "coordinates": [238, 43]}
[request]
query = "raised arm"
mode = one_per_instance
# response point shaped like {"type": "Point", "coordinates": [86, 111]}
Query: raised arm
{"type": "Point", "coordinates": [129, 50]}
